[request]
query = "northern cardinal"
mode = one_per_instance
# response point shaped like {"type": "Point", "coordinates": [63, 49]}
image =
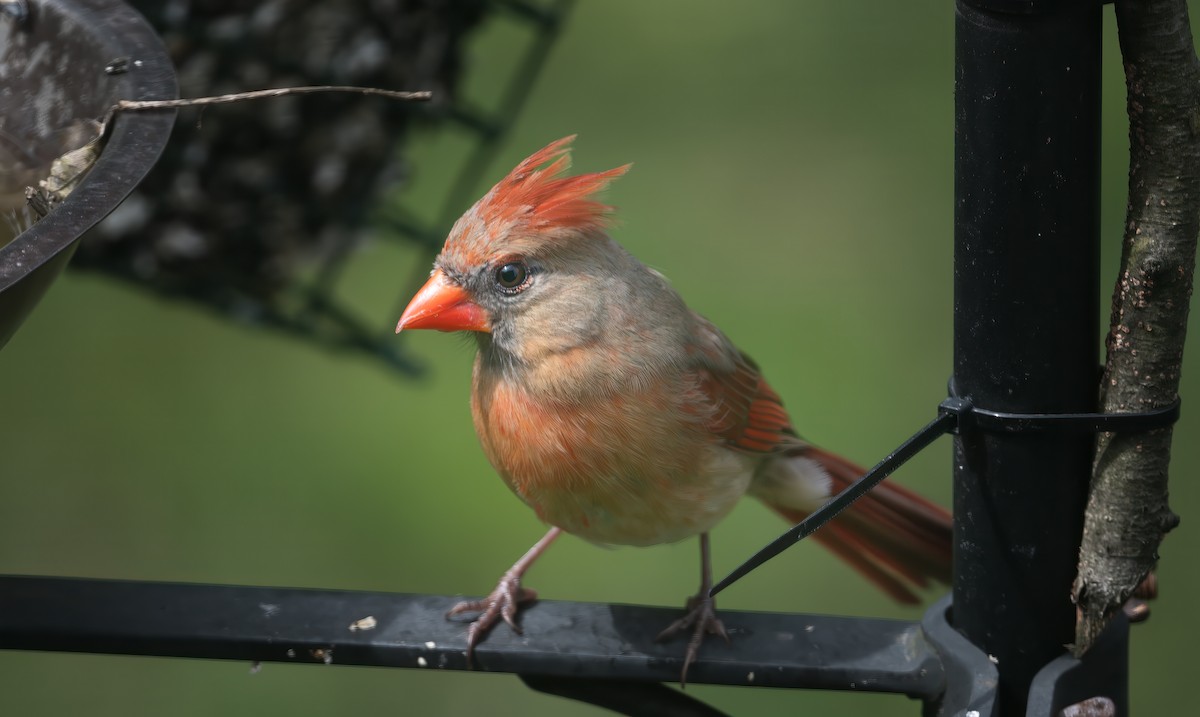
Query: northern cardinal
{"type": "Point", "coordinates": [623, 417]}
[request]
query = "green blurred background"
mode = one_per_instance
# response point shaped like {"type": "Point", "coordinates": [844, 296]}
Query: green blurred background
{"type": "Point", "coordinates": [793, 176]}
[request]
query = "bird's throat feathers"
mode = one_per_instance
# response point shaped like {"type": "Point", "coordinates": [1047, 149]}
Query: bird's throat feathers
{"type": "Point", "coordinates": [532, 206]}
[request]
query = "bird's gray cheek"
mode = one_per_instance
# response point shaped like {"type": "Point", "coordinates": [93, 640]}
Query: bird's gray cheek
{"type": "Point", "coordinates": [504, 333]}
{"type": "Point", "coordinates": [588, 320]}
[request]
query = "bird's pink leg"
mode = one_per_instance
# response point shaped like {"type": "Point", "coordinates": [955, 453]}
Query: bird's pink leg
{"type": "Point", "coordinates": [701, 617]}
{"type": "Point", "coordinates": [505, 600]}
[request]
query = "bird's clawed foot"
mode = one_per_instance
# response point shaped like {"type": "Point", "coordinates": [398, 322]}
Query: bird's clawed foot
{"type": "Point", "coordinates": [503, 602]}
{"type": "Point", "coordinates": [701, 619]}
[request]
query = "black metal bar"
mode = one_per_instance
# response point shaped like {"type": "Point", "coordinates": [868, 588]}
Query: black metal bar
{"type": "Point", "coordinates": [1027, 108]}
{"type": "Point", "coordinates": [562, 639]}
{"type": "Point", "coordinates": [1102, 672]}
{"type": "Point", "coordinates": [971, 677]}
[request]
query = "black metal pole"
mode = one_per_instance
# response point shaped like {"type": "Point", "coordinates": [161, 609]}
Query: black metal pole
{"type": "Point", "coordinates": [1027, 118]}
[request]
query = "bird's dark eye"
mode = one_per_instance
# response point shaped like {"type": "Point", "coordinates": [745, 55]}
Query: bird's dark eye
{"type": "Point", "coordinates": [512, 277]}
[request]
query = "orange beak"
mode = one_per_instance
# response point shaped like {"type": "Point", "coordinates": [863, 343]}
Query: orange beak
{"type": "Point", "coordinates": [443, 305]}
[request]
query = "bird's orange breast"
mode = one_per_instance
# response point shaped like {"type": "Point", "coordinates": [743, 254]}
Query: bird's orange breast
{"type": "Point", "coordinates": [638, 468]}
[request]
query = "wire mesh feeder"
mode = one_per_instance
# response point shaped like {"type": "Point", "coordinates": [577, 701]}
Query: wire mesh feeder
{"type": "Point", "coordinates": [255, 208]}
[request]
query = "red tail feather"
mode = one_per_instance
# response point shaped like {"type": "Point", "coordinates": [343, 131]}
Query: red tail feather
{"type": "Point", "coordinates": [895, 538]}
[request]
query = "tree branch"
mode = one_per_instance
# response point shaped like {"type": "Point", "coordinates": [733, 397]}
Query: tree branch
{"type": "Point", "coordinates": [1127, 514]}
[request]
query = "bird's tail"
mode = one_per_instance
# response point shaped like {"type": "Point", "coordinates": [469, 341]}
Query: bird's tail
{"type": "Point", "coordinates": [892, 536]}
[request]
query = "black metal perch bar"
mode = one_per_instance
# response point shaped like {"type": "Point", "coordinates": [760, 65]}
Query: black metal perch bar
{"type": "Point", "coordinates": [603, 654]}
{"type": "Point", "coordinates": [564, 639]}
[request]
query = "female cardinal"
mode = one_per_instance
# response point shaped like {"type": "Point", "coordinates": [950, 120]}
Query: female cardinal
{"type": "Point", "coordinates": [620, 415]}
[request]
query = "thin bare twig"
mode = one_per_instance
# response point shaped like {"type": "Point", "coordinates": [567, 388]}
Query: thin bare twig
{"type": "Point", "coordinates": [71, 166]}
{"type": "Point", "coordinates": [264, 94]}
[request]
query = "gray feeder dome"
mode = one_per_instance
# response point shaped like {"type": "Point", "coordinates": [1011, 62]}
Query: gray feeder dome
{"type": "Point", "coordinates": [63, 64]}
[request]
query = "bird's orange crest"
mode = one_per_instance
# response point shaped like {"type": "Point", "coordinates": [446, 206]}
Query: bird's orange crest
{"type": "Point", "coordinates": [536, 199]}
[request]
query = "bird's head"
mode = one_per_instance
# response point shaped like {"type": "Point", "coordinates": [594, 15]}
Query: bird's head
{"type": "Point", "coordinates": [525, 254]}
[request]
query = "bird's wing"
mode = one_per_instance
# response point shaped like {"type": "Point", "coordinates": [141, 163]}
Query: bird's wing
{"type": "Point", "coordinates": [745, 411]}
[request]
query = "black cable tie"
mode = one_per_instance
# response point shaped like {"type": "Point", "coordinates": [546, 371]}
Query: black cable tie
{"type": "Point", "coordinates": [974, 417]}
{"type": "Point", "coordinates": [955, 415]}
{"type": "Point", "coordinates": [946, 421]}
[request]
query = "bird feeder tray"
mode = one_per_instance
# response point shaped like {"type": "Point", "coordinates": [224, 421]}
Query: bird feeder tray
{"type": "Point", "coordinates": [63, 65]}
